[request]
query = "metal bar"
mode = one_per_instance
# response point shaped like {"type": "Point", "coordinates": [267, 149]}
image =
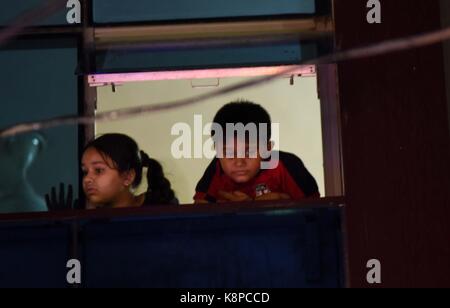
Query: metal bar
{"type": "Point", "coordinates": [87, 58]}
{"type": "Point", "coordinates": [155, 211]}
{"type": "Point", "coordinates": [308, 28]}
{"type": "Point", "coordinates": [185, 44]}
{"type": "Point", "coordinates": [48, 30]}
{"type": "Point", "coordinates": [331, 130]}
{"type": "Point", "coordinates": [105, 79]}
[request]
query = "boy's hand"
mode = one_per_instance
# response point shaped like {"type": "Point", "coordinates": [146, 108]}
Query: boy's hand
{"type": "Point", "coordinates": [273, 196]}
{"type": "Point", "coordinates": [235, 196]}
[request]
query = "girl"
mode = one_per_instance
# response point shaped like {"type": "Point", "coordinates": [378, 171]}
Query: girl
{"type": "Point", "coordinates": [112, 168]}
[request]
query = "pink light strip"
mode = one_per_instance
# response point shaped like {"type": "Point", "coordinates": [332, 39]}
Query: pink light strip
{"type": "Point", "coordinates": [104, 79]}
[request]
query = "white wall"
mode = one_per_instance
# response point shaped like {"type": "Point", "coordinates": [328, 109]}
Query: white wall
{"type": "Point", "coordinates": [295, 107]}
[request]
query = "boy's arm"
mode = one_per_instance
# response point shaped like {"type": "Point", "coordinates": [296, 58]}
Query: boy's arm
{"type": "Point", "coordinates": [200, 201]}
{"type": "Point", "coordinates": [296, 179]}
{"type": "Point", "coordinates": [273, 197]}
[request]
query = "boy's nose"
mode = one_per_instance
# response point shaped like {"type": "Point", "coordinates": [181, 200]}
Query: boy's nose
{"type": "Point", "coordinates": [239, 162]}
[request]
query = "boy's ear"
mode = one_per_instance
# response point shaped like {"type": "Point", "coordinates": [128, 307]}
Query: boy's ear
{"type": "Point", "coordinates": [270, 145]}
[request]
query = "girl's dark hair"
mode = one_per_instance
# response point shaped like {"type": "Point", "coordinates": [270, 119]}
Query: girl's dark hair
{"type": "Point", "coordinates": [126, 156]}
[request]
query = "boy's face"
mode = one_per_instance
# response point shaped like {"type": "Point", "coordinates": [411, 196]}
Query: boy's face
{"type": "Point", "coordinates": [240, 169]}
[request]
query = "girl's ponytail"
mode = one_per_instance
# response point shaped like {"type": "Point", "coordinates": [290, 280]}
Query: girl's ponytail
{"type": "Point", "coordinates": [159, 189]}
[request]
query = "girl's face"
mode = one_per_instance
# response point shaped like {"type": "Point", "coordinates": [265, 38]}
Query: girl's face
{"type": "Point", "coordinates": [102, 184]}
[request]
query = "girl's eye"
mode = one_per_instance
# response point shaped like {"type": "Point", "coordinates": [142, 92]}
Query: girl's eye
{"type": "Point", "coordinates": [99, 171]}
{"type": "Point", "coordinates": [84, 172]}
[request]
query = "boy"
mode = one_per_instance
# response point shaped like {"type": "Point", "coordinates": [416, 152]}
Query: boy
{"type": "Point", "coordinates": [233, 177]}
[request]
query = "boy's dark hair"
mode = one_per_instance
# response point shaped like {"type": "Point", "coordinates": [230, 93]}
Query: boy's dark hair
{"type": "Point", "coordinates": [244, 112]}
{"type": "Point", "coordinates": [126, 156]}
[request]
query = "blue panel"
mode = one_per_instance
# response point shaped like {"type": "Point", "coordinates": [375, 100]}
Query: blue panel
{"type": "Point", "coordinates": [33, 256]}
{"type": "Point", "coordinates": [118, 11]}
{"type": "Point", "coordinates": [300, 248]}
{"type": "Point", "coordinates": [133, 61]}
{"type": "Point", "coordinates": [39, 83]}
{"type": "Point", "coordinates": [11, 9]}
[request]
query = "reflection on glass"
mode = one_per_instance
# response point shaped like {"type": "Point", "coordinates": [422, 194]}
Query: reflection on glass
{"type": "Point", "coordinates": [17, 154]}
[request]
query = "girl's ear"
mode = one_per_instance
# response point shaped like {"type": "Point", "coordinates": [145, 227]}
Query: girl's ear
{"type": "Point", "coordinates": [129, 177]}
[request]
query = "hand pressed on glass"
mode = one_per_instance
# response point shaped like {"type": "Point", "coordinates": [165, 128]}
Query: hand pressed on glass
{"type": "Point", "coordinates": [60, 202]}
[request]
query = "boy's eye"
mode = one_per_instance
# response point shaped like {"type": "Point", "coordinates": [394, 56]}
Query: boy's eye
{"type": "Point", "coordinates": [251, 153]}
{"type": "Point", "coordinates": [99, 171]}
{"type": "Point", "coordinates": [229, 154]}
{"type": "Point", "coordinates": [246, 154]}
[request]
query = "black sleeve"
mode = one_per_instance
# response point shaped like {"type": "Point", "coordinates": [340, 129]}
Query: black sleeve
{"type": "Point", "coordinates": [299, 173]}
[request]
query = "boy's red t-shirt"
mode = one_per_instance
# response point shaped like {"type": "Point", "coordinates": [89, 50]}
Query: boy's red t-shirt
{"type": "Point", "coordinates": [289, 177]}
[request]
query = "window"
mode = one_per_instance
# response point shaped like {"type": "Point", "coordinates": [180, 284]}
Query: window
{"type": "Point", "coordinates": [292, 101]}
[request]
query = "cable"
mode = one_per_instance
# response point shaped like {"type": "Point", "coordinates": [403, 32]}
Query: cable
{"type": "Point", "coordinates": [46, 9]}
{"type": "Point", "coordinates": [382, 48]}
{"type": "Point", "coordinates": [385, 47]}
